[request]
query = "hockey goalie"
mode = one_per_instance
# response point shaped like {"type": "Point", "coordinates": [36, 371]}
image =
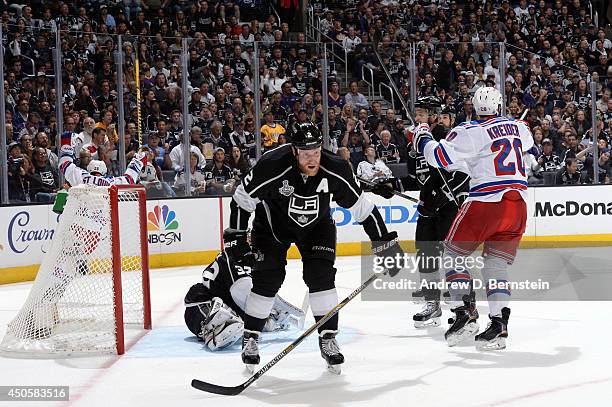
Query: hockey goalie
{"type": "Point", "coordinates": [70, 308]}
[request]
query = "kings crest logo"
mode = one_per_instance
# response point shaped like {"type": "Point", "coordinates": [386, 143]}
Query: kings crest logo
{"type": "Point", "coordinates": [286, 189]}
{"type": "Point", "coordinates": [303, 210]}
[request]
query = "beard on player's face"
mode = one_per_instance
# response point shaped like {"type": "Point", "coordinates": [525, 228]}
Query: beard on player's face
{"type": "Point", "coordinates": [309, 161]}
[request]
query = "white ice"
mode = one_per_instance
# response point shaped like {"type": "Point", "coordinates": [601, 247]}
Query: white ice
{"type": "Point", "coordinates": [559, 354]}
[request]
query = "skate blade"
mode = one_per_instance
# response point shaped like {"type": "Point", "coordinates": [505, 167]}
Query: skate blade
{"type": "Point", "coordinates": [494, 344]}
{"type": "Point", "coordinates": [335, 369]}
{"type": "Point", "coordinates": [430, 323]}
{"type": "Point", "coordinates": [468, 331]}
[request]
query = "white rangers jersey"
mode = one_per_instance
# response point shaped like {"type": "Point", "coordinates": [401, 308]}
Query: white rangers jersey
{"type": "Point", "coordinates": [493, 151]}
{"type": "Point", "coordinates": [75, 175]}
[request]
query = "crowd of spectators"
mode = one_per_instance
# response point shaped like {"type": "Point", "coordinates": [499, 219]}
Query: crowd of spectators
{"type": "Point", "coordinates": [553, 51]}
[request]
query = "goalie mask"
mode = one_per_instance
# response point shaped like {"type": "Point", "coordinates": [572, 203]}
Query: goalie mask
{"type": "Point", "coordinates": [237, 248]}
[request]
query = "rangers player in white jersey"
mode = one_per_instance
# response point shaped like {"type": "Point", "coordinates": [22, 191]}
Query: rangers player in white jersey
{"type": "Point", "coordinates": [96, 170]}
{"type": "Point", "coordinates": [494, 213]}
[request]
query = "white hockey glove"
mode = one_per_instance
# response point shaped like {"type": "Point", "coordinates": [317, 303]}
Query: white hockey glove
{"type": "Point", "coordinates": [422, 136]}
{"type": "Point", "coordinates": [67, 151]}
{"type": "Point", "coordinates": [138, 162]}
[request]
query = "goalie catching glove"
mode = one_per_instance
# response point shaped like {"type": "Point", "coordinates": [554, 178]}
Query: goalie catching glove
{"type": "Point", "coordinates": [389, 247]}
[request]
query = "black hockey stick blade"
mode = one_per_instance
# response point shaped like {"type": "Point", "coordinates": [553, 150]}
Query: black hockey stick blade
{"type": "Point", "coordinates": [213, 388]}
{"type": "Point", "coordinates": [235, 390]}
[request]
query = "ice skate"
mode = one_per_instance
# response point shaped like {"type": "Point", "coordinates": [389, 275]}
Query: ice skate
{"type": "Point", "coordinates": [464, 325]}
{"type": "Point", "coordinates": [429, 316]}
{"type": "Point", "coordinates": [494, 337]}
{"type": "Point", "coordinates": [330, 351]}
{"type": "Point", "coordinates": [250, 350]}
{"type": "Point", "coordinates": [446, 297]}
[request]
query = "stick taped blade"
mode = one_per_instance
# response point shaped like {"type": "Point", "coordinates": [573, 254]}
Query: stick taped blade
{"type": "Point", "coordinates": [213, 388]}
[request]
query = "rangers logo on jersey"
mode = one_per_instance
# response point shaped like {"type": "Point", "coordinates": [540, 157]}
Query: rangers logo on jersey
{"type": "Point", "coordinates": [286, 189]}
{"type": "Point", "coordinates": [303, 210]}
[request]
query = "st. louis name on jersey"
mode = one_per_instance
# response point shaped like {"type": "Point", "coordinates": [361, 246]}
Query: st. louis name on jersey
{"type": "Point", "coordinates": [493, 150]}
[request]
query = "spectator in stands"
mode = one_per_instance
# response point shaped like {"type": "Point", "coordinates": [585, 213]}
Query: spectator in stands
{"type": "Point", "coordinates": [604, 169]}
{"type": "Point", "coordinates": [356, 99]}
{"type": "Point", "coordinates": [24, 184]}
{"type": "Point", "coordinates": [220, 179]}
{"type": "Point", "coordinates": [386, 151]}
{"type": "Point", "coordinates": [176, 155]}
{"type": "Point", "coordinates": [237, 162]}
{"type": "Point", "coordinates": [549, 161]}
{"type": "Point", "coordinates": [372, 168]}
{"type": "Point", "coordinates": [47, 173]}
{"type": "Point", "coordinates": [569, 174]}
{"type": "Point", "coordinates": [271, 131]}
{"type": "Point", "coordinates": [356, 142]}
{"type": "Point", "coordinates": [198, 180]}
{"type": "Point", "coordinates": [42, 140]}
{"type": "Point", "coordinates": [162, 158]}
{"type": "Point", "coordinates": [335, 99]}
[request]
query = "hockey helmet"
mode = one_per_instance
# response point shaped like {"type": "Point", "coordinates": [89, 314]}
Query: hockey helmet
{"type": "Point", "coordinates": [236, 246]}
{"type": "Point", "coordinates": [306, 136]}
{"type": "Point", "coordinates": [487, 101]}
{"type": "Point", "coordinates": [97, 167]}
{"type": "Point", "coordinates": [449, 110]}
{"type": "Point", "coordinates": [430, 103]}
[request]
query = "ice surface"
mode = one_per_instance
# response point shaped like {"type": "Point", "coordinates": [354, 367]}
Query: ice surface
{"type": "Point", "coordinates": [559, 354]}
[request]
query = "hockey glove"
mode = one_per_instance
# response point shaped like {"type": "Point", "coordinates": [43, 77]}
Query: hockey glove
{"type": "Point", "coordinates": [384, 189]}
{"type": "Point", "coordinates": [389, 246]}
{"type": "Point", "coordinates": [67, 151]}
{"type": "Point", "coordinates": [422, 136]}
{"type": "Point", "coordinates": [138, 162]}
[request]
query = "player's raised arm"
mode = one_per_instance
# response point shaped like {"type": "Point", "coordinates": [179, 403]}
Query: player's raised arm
{"type": "Point", "coordinates": [455, 148]}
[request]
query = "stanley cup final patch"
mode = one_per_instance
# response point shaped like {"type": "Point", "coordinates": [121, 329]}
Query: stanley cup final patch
{"type": "Point", "coordinates": [286, 189]}
{"type": "Point", "coordinates": [303, 210]}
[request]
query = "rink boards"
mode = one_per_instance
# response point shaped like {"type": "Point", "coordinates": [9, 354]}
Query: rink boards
{"type": "Point", "coordinates": [188, 231]}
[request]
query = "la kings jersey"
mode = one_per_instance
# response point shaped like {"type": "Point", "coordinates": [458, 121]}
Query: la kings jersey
{"type": "Point", "coordinates": [493, 151]}
{"type": "Point", "coordinates": [290, 204]}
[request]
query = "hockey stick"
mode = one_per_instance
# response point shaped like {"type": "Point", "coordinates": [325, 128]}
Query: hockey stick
{"type": "Point", "coordinates": [305, 308]}
{"type": "Point", "coordinates": [370, 183]}
{"type": "Point", "coordinates": [235, 390]}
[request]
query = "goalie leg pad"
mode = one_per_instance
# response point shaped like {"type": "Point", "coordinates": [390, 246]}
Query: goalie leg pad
{"type": "Point", "coordinates": [223, 327]}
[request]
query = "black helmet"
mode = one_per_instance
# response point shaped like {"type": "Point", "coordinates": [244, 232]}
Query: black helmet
{"type": "Point", "coordinates": [431, 103]}
{"type": "Point", "coordinates": [236, 247]}
{"type": "Point", "coordinates": [449, 110]}
{"type": "Point", "coordinates": [306, 136]}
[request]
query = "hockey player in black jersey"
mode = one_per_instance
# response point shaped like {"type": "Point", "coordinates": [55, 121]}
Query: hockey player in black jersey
{"type": "Point", "coordinates": [214, 308]}
{"type": "Point", "coordinates": [290, 190]}
{"type": "Point", "coordinates": [441, 195]}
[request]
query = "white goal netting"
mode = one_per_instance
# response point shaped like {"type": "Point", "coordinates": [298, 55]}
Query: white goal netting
{"type": "Point", "coordinates": [74, 307]}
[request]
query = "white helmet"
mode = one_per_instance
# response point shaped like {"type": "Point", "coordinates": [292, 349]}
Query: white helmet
{"type": "Point", "coordinates": [97, 166]}
{"type": "Point", "coordinates": [487, 101]}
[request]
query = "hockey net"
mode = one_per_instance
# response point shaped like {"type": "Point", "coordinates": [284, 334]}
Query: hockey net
{"type": "Point", "coordinates": [93, 283]}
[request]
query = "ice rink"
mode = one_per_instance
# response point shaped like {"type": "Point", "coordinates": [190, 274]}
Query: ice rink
{"type": "Point", "coordinates": [559, 354]}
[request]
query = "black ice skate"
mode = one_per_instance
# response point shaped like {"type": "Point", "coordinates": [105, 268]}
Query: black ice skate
{"type": "Point", "coordinates": [464, 324]}
{"type": "Point", "coordinates": [429, 316]}
{"type": "Point", "coordinates": [250, 350]}
{"type": "Point", "coordinates": [494, 337]}
{"type": "Point", "coordinates": [331, 351]}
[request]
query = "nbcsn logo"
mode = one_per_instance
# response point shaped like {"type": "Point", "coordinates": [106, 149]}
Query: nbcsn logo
{"type": "Point", "coordinates": [162, 225]}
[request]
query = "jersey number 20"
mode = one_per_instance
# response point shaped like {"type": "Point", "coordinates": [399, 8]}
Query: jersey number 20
{"type": "Point", "coordinates": [505, 147]}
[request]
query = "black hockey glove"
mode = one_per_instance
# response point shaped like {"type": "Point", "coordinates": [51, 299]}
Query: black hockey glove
{"type": "Point", "coordinates": [384, 189]}
{"type": "Point", "coordinates": [389, 246]}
